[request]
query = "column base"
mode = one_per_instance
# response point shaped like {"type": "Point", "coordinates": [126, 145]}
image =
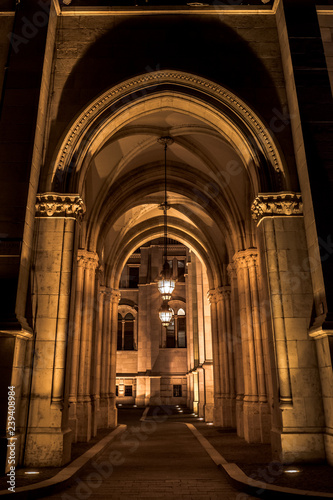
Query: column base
{"type": "Point", "coordinates": [201, 410]}
{"type": "Point", "coordinates": [95, 416]}
{"type": "Point", "coordinates": [209, 412]}
{"type": "Point", "coordinates": [48, 448]}
{"type": "Point", "coordinates": [328, 439]}
{"type": "Point", "coordinates": [265, 422]}
{"type": "Point", "coordinates": [112, 413]}
{"type": "Point", "coordinates": [72, 420]}
{"type": "Point", "coordinates": [252, 424]}
{"type": "Point", "coordinates": [225, 413]}
{"type": "Point", "coordinates": [239, 416]}
{"type": "Point", "coordinates": [108, 413]}
{"type": "Point", "coordinates": [294, 447]}
{"type": "Point", "coordinates": [83, 413]}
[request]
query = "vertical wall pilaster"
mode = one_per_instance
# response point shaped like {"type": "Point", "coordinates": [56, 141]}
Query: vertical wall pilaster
{"type": "Point", "coordinates": [255, 407]}
{"type": "Point", "coordinates": [115, 297]}
{"type": "Point", "coordinates": [212, 296]}
{"type": "Point", "coordinates": [84, 402]}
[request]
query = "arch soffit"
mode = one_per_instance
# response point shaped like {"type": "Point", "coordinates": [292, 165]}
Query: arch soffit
{"type": "Point", "coordinates": [86, 131]}
{"type": "Point", "coordinates": [192, 186]}
{"type": "Point", "coordinates": [113, 267]}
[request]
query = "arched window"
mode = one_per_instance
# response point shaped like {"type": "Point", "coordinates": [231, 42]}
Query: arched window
{"type": "Point", "coordinates": [181, 326]}
{"type": "Point", "coordinates": [125, 334]}
{"type": "Point", "coordinates": [176, 331]}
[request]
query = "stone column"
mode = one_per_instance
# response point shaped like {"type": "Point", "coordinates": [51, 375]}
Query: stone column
{"type": "Point", "coordinates": [212, 296]}
{"type": "Point", "coordinates": [97, 353]}
{"type": "Point", "coordinates": [105, 363]}
{"type": "Point", "coordinates": [256, 414]}
{"type": "Point", "coordinates": [115, 297]}
{"type": "Point", "coordinates": [74, 371]}
{"type": "Point", "coordinates": [298, 417]}
{"type": "Point", "coordinates": [228, 408]}
{"type": "Point", "coordinates": [84, 402]}
{"type": "Point", "coordinates": [48, 440]}
{"type": "Point", "coordinates": [237, 347]}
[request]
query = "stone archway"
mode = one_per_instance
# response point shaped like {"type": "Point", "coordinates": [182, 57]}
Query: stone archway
{"type": "Point", "coordinates": [223, 158]}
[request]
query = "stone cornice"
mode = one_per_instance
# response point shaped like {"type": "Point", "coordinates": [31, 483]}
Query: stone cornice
{"type": "Point", "coordinates": [277, 205]}
{"type": "Point", "coordinates": [60, 205]}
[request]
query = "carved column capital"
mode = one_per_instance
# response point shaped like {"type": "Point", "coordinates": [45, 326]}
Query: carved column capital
{"type": "Point", "coordinates": [276, 204]}
{"type": "Point", "coordinates": [60, 205]}
{"type": "Point", "coordinates": [245, 258]}
{"type": "Point", "coordinates": [86, 259]}
{"type": "Point", "coordinates": [115, 296]}
{"type": "Point", "coordinates": [212, 296]}
{"type": "Point", "coordinates": [224, 291]}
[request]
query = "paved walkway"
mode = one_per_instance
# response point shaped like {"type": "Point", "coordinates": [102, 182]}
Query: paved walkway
{"type": "Point", "coordinates": [154, 458]}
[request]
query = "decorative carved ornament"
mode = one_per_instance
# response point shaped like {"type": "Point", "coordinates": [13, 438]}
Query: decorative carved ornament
{"type": "Point", "coordinates": [60, 205]}
{"type": "Point", "coordinates": [86, 259]}
{"type": "Point", "coordinates": [245, 259]}
{"type": "Point", "coordinates": [140, 84]}
{"type": "Point", "coordinates": [277, 204]}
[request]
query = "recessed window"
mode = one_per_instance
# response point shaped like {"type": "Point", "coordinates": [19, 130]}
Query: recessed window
{"type": "Point", "coordinates": [128, 390]}
{"type": "Point", "coordinates": [117, 391]}
{"type": "Point", "coordinates": [133, 277]}
{"type": "Point", "coordinates": [177, 391]}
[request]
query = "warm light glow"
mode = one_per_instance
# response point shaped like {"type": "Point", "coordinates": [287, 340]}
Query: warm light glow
{"type": "Point", "coordinates": [166, 287]}
{"type": "Point", "coordinates": [165, 313]}
{"type": "Point", "coordinates": [292, 471]}
{"type": "Point", "coordinates": [209, 423]}
{"type": "Point", "coordinates": [31, 472]}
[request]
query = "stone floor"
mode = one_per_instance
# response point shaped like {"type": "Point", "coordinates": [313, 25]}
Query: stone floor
{"type": "Point", "coordinates": [153, 459]}
{"type": "Point", "coordinates": [161, 458]}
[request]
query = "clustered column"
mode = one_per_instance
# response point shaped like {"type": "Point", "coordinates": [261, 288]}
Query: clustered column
{"type": "Point", "coordinates": [84, 402]}
{"type": "Point", "coordinates": [255, 405]}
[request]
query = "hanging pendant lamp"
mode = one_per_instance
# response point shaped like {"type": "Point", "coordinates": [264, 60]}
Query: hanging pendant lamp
{"type": "Point", "coordinates": [165, 313]}
{"type": "Point", "coordinates": [166, 284]}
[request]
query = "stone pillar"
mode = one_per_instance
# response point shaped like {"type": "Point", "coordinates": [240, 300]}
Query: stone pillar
{"type": "Point", "coordinates": [105, 365]}
{"type": "Point", "coordinates": [298, 417]}
{"type": "Point", "coordinates": [97, 353]}
{"type": "Point", "coordinates": [48, 441]}
{"type": "Point", "coordinates": [256, 412]}
{"type": "Point", "coordinates": [113, 419]}
{"type": "Point", "coordinates": [237, 348]}
{"type": "Point", "coordinates": [212, 296]}
{"type": "Point", "coordinates": [74, 371]}
{"type": "Point", "coordinates": [84, 402]}
{"type": "Point", "coordinates": [228, 408]}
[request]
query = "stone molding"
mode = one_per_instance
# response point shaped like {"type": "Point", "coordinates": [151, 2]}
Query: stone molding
{"type": "Point", "coordinates": [86, 259]}
{"type": "Point", "coordinates": [277, 204]}
{"type": "Point", "coordinates": [59, 205]}
{"type": "Point", "coordinates": [187, 80]}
